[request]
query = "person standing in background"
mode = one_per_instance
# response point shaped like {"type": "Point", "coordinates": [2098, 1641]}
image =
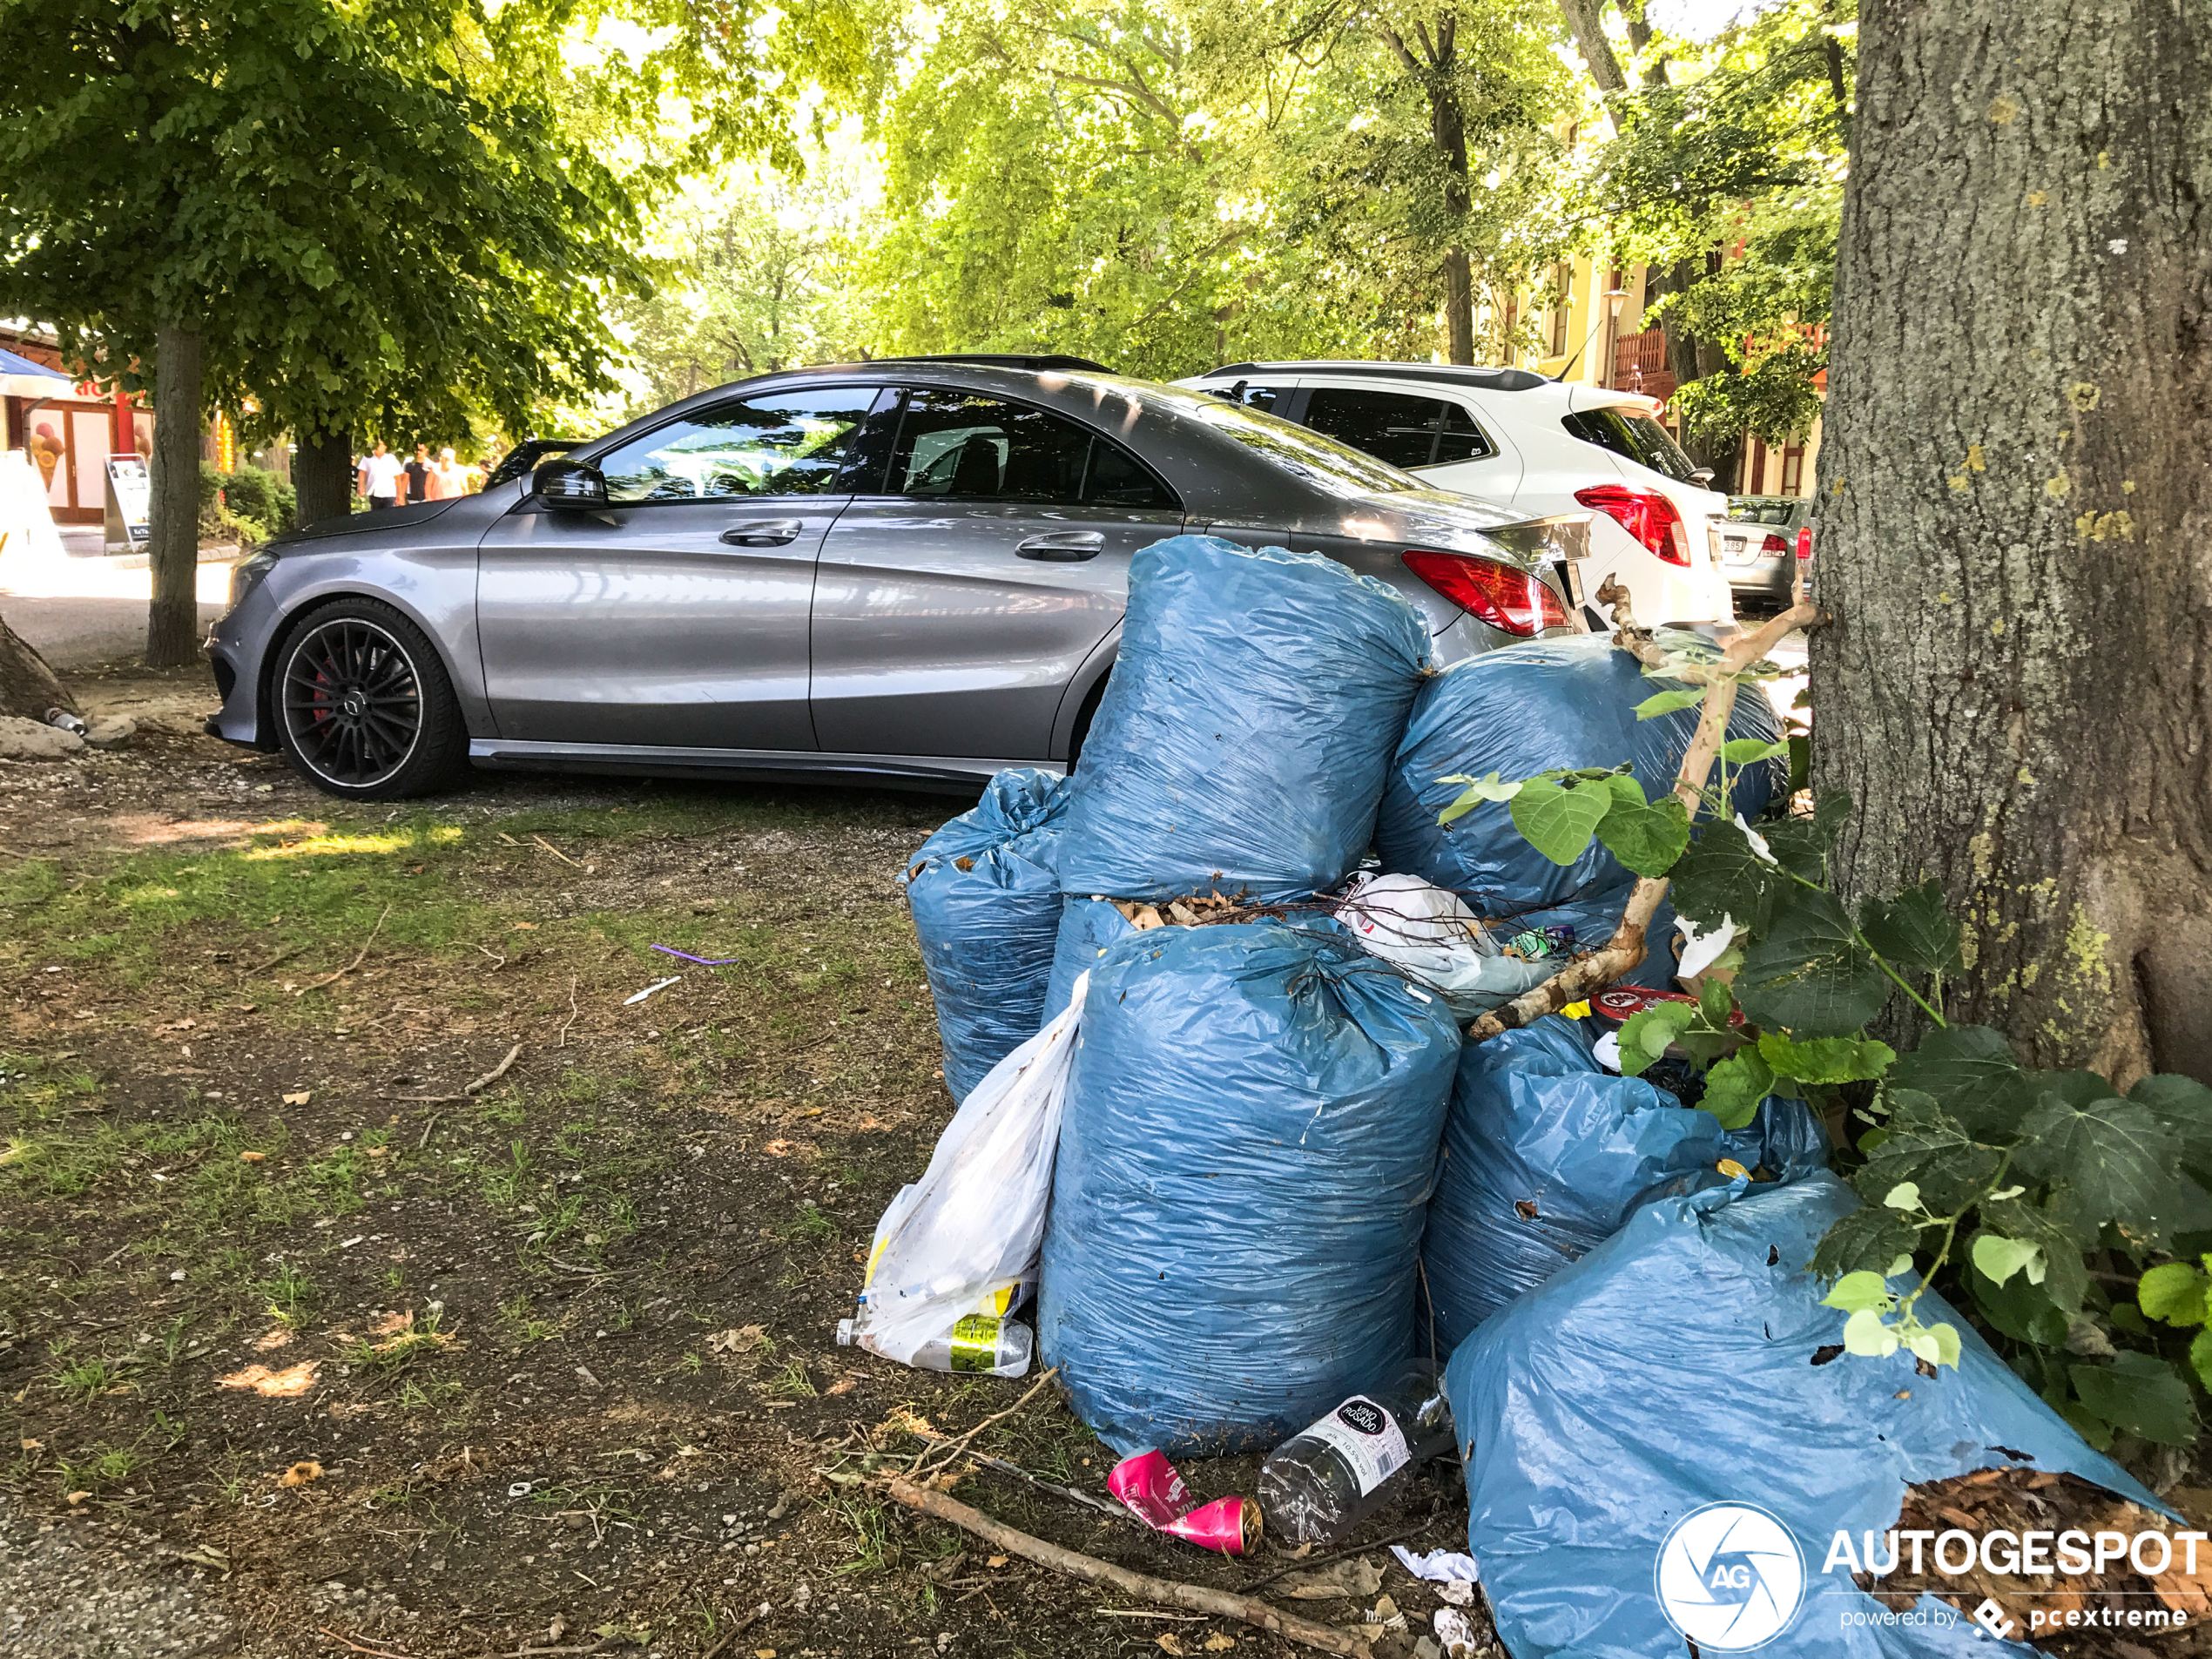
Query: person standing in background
{"type": "Point", "coordinates": [418, 475]}
{"type": "Point", "coordinates": [380, 478]}
{"type": "Point", "coordinates": [447, 479]}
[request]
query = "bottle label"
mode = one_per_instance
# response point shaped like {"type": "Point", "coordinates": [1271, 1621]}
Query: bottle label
{"type": "Point", "coordinates": [1367, 1438]}
{"type": "Point", "coordinates": [974, 1343]}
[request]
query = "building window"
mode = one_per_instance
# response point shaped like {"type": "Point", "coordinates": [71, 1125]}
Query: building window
{"type": "Point", "coordinates": [1793, 466]}
{"type": "Point", "coordinates": [1562, 305]}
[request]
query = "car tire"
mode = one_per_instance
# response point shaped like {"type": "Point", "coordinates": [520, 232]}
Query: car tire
{"type": "Point", "coordinates": [1083, 717]}
{"type": "Point", "coordinates": [363, 707]}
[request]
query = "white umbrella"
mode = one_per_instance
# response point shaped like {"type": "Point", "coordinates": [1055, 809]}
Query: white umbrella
{"type": "Point", "coordinates": [20, 377]}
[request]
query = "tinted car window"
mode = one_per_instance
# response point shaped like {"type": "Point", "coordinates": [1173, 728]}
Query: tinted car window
{"type": "Point", "coordinates": [1310, 455]}
{"type": "Point", "coordinates": [1254, 397]}
{"type": "Point", "coordinates": [1638, 437]}
{"type": "Point", "coordinates": [1405, 431]}
{"type": "Point", "coordinates": [962, 445]}
{"type": "Point", "coordinates": [772, 443]}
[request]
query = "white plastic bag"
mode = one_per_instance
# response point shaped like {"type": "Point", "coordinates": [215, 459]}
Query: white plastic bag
{"type": "Point", "coordinates": [964, 1238]}
{"type": "Point", "coordinates": [1426, 931]}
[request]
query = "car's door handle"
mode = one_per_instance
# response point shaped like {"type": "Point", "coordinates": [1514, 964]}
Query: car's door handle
{"type": "Point", "coordinates": [764, 532]}
{"type": "Point", "coordinates": [1063, 547]}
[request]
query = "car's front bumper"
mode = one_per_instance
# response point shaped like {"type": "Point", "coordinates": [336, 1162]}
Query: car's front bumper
{"type": "Point", "coordinates": [236, 645]}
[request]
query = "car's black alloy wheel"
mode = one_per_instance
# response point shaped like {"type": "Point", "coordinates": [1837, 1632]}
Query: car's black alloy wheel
{"type": "Point", "coordinates": [364, 707]}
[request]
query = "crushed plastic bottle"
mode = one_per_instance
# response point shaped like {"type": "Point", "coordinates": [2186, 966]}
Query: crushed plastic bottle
{"type": "Point", "coordinates": [66, 721]}
{"type": "Point", "coordinates": [977, 1343]}
{"type": "Point", "coordinates": [1329, 1477]}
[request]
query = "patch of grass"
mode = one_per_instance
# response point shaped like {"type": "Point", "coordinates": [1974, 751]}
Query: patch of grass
{"type": "Point", "coordinates": [86, 1378]}
{"type": "Point", "coordinates": [874, 1549]}
{"type": "Point", "coordinates": [503, 1184]}
{"type": "Point", "coordinates": [292, 1295]}
{"type": "Point", "coordinates": [793, 1382]}
{"type": "Point", "coordinates": [517, 1311]}
{"type": "Point", "coordinates": [812, 1227]}
{"type": "Point", "coordinates": [102, 1467]}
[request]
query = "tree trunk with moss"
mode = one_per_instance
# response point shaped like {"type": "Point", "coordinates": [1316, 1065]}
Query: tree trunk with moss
{"type": "Point", "coordinates": [2015, 512]}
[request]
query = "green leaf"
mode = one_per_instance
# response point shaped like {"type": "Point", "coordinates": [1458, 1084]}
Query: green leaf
{"type": "Point", "coordinates": [1865, 1335]}
{"type": "Point", "coordinates": [1826, 1060]}
{"type": "Point", "coordinates": [1478, 790]}
{"type": "Point", "coordinates": [1742, 752]}
{"type": "Point", "coordinates": [2019, 1310]}
{"type": "Point", "coordinates": [2201, 1357]}
{"type": "Point", "coordinates": [1936, 1344]}
{"type": "Point", "coordinates": [2184, 1108]}
{"type": "Point", "coordinates": [2000, 1257]}
{"type": "Point", "coordinates": [1928, 1148]}
{"type": "Point", "coordinates": [2174, 1292]}
{"type": "Point", "coordinates": [1719, 877]}
{"type": "Point", "coordinates": [1735, 1087]}
{"type": "Point", "coordinates": [1558, 821]}
{"type": "Point", "coordinates": [1972, 1073]}
{"type": "Point", "coordinates": [1715, 1004]}
{"type": "Point", "coordinates": [1808, 976]}
{"type": "Point", "coordinates": [1647, 1035]}
{"type": "Point", "coordinates": [1868, 1239]}
{"type": "Point", "coordinates": [1646, 837]}
{"type": "Point", "coordinates": [2111, 1152]}
{"type": "Point", "coordinates": [2141, 1394]}
{"type": "Point", "coordinates": [1800, 763]}
{"type": "Point", "coordinates": [1659, 702]}
{"type": "Point", "coordinates": [2066, 1275]}
{"type": "Point", "coordinates": [1854, 1292]}
{"type": "Point", "coordinates": [2090, 1426]}
{"type": "Point", "coordinates": [1914, 930]}
{"type": "Point", "coordinates": [1904, 1196]}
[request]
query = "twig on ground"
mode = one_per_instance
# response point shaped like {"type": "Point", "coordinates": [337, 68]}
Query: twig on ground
{"type": "Point", "coordinates": [1402, 1535]}
{"type": "Point", "coordinates": [953, 1449]}
{"type": "Point", "coordinates": [1199, 1599]}
{"type": "Point", "coordinates": [315, 985]}
{"type": "Point", "coordinates": [427, 1127]}
{"type": "Point", "coordinates": [1074, 1494]}
{"type": "Point", "coordinates": [570, 1021]}
{"type": "Point", "coordinates": [347, 1641]}
{"type": "Point", "coordinates": [1621, 954]}
{"type": "Point", "coordinates": [281, 956]}
{"type": "Point", "coordinates": [556, 851]}
{"type": "Point", "coordinates": [468, 1090]}
{"type": "Point", "coordinates": [495, 1073]}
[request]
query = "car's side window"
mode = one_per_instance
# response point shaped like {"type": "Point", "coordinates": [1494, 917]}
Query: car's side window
{"type": "Point", "coordinates": [962, 446]}
{"type": "Point", "coordinates": [771, 443]}
{"type": "Point", "coordinates": [1405, 430]}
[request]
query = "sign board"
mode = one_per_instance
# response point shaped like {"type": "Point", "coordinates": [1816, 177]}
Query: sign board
{"type": "Point", "coordinates": [129, 496]}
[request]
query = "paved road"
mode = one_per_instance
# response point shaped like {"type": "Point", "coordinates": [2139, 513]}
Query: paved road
{"type": "Point", "coordinates": [83, 609]}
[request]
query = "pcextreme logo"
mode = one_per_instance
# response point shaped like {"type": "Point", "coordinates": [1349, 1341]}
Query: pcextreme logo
{"type": "Point", "coordinates": [1731, 1577]}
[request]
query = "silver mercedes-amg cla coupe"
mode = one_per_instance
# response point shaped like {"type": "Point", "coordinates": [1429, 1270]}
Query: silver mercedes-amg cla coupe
{"type": "Point", "coordinates": [907, 570]}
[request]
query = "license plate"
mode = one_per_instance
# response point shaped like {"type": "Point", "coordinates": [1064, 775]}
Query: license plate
{"type": "Point", "coordinates": [1570, 578]}
{"type": "Point", "coordinates": [1733, 545]}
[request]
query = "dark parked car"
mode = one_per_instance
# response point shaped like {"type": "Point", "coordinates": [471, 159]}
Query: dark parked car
{"type": "Point", "coordinates": [902, 570]}
{"type": "Point", "coordinates": [1760, 542]}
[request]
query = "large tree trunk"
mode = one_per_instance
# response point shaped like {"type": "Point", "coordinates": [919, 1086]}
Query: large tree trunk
{"type": "Point", "coordinates": [28, 686]}
{"type": "Point", "coordinates": [323, 476]}
{"type": "Point", "coordinates": [2015, 511]}
{"type": "Point", "coordinates": [172, 544]}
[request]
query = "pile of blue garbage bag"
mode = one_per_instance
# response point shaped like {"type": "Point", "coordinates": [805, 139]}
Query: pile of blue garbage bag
{"type": "Point", "coordinates": [1281, 1174]}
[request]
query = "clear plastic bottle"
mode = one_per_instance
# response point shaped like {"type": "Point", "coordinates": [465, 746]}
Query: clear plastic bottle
{"type": "Point", "coordinates": [979, 1343]}
{"type": "Point", "coordinates": [1329, 1477]}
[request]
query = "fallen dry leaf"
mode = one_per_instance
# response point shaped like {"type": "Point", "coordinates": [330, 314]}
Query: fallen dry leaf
{"type": "Point", "coordinates": [392, 1324]}
{"type": "Point", "coordinates": [778, 1149]}
{"type": "Point", "coordinates": [76, 1498]}
{"type": "Point", "coordinates": [995, 1561]}
{"type": "Point", "coordinates": [276, 1339]}
{"type": "Point", "coordinates": [1168, 1642]}
{"type": "Point", "coordinates": [741, 1338]}
{"type": "Point", "coordinates": [1219, 1643]}
{"type": "Point", "coordinates": [288, 1384]}
{"type": "Point", "coordinates": [842, 1385]}
{"type": "Point", "coordinates": [253, 1157]}
{"type": "Point", "coordinates": [1360, 1578]}
{"type": "Point", "coordinates": [298, 1097]}
{"type": "Point", "coordinates": [299, 1474]}
{"type": "Point", "coordinates": [34, 1446]}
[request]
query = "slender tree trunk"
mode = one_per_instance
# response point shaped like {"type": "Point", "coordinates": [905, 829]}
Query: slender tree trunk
{"type": "Point", "coordinates": [28, 686]}
{"type": "Point", "coordinates": [324, 475]}
{"type": "Point", "coordinates": [1582, 21]}
{"type": "Point", "coordinates": [2015, 510]}
{"type": "Point", "coordinates": [1459, 306]}
{"type": "Point", "coordinates": [172, 546]}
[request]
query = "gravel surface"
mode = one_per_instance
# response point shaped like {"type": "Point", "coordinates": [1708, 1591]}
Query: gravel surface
{"type": "Point", "coordinates": [86, 1591]}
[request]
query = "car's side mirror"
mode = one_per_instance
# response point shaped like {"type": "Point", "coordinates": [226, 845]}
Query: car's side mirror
{"type": "Point", "coordinates": [574, 485]}
{"type": "Point", "coordinates": [1702, 476]}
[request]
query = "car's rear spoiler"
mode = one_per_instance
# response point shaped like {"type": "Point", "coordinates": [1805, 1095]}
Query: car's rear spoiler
{"type": "Point", "coordinates": [1557, 536]}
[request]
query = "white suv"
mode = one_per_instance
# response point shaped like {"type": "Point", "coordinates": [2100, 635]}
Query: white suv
{"type": "Point", "coordinates": [1516, 438]}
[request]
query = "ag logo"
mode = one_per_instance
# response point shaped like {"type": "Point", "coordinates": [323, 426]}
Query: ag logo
{"type": "Point", "coordinates": [1731, 1577]}
{"type": "Point", "coordinates": [1362, 1417]}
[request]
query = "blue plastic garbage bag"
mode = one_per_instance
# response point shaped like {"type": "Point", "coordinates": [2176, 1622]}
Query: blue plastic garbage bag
{"type": "Point", "coordinates": [1243, 740]}
{"type": "Point", "coordinates": [1527, 709]}
{"type": "Point", "coordinates": [1546, 1153]}
{"type": "Point", "coordinates": [985, 893]}
{"type": "Point", "coordinates": [1088, 925]}
{"type": "Point", "coordinates": [1246, 1151]}
{"type": "Point", "coordinates": [1671, 1369]}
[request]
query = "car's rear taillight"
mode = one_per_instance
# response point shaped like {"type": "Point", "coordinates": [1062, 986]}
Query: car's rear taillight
{"type": "Point", "coordinates": [1804, 542]}
{"type": "Point", "coordinates": [1774, 544]}
{"type": "Point", "coordinates": [1512, 600]}
{"type": "Point", "coordinates": [1646, 514]}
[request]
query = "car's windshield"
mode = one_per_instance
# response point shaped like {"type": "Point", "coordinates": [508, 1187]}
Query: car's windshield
{"type": "Point", "coordinates": [1630, 432]}
{"type": "Point", "coordinates": [1309, 454]}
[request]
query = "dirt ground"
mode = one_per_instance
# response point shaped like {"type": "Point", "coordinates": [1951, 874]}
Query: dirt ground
{"type": "Point", "coordinates": [328, 1325]}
